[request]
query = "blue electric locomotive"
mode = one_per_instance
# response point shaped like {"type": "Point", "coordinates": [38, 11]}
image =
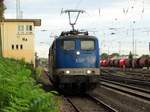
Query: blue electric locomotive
{"type": "Point", "coordinates": [74, 61]}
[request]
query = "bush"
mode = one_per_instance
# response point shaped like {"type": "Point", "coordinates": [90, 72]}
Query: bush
{"type": "Point", "coordinates": [19, 92]}
{"type": "Point", "coordinates": [38, 72]}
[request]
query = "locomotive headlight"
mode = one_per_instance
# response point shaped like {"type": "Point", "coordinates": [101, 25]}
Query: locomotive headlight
{"type": "Point", "coordinates": [88, 71]}
{"type": "Point", "coordinates": [78, 52]}
{"type": "Point", "coordinates": [67, 72]}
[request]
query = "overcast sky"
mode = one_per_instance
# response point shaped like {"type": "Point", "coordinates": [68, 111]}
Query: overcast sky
{"type": "Point", "coordinates": [102, 18]}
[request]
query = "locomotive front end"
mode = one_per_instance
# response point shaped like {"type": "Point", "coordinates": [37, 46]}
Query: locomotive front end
{"type": "Point", "coordinates": [77, 62]}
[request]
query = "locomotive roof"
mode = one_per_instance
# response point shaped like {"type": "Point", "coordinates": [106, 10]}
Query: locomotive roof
{"type": "Point", "coordinates": [77, 36]}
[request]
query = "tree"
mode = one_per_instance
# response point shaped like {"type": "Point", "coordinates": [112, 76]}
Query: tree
{"type": "Point", "coordinates": [104, 56]}
{"type": "Point", "coordinates": [130, 56]}
{"type": "Point", "coordinates": [115, 54]}
{"type": "Point", "coordinates": [131, 64]}
{"type": "Point", "coordinates": [2, 9]}
{"type": "Point", "coordinates": [145, 55]}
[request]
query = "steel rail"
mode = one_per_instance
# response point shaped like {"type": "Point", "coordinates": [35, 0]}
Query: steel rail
{"type": "Point", "coordinates": [74, 106]}
{"type": "Point", "coordinates": [95, 100]}
{"type": "Point", "coordinates": [145, 73]}
{"type": "Point", "coordinates": [129, 80]}
{"type": "Point", "coordinates": [100, 102]}
{"type": "Point", "coordinates": [128, 86]}
{"type": "Point", "coordinates": [127, 89]}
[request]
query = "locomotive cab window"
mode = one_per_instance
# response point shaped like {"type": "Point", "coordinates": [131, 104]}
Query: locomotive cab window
{"type": "Point", "coordinates": [68, 44]}
{"type": "Point", "coordinates": [87, 44]}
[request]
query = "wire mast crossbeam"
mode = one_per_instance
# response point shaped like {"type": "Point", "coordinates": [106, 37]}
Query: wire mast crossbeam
{"type": "Point", "coordinates": [69, 14]}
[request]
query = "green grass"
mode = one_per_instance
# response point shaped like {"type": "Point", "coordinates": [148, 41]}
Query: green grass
{"type": "Point", "coordinates": [19, 92]}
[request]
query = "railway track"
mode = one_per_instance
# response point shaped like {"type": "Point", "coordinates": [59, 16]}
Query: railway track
{"type": "Point", "coordinates": [106, 106]}
{"type": "Point", "coordinates": [123, 97]}
{"type": "Point", "coordinates": [128, 79]}
{"type": "Point", "coordinates": [131, 90]}
{"type": "Point", "coordinates": [143, 71]}
{"type": "Point", "coordinates": [89, 103]}
{"type": "Point", "coordinates": [135, 73]}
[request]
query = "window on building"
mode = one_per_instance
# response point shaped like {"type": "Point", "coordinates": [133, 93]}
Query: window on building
{"type": "Point", "coordinates": [24, 39]}
{"type": "Point", "coordinates": [20, 28]}
{"type": "Point", "coordinates": [17, 46]}
{"type": "Point", "coordinates": [12, 47]}
{"type": "Point", "coordinates": [28, 27]}
{"type": "Point", "coordinates": [21, 46]}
